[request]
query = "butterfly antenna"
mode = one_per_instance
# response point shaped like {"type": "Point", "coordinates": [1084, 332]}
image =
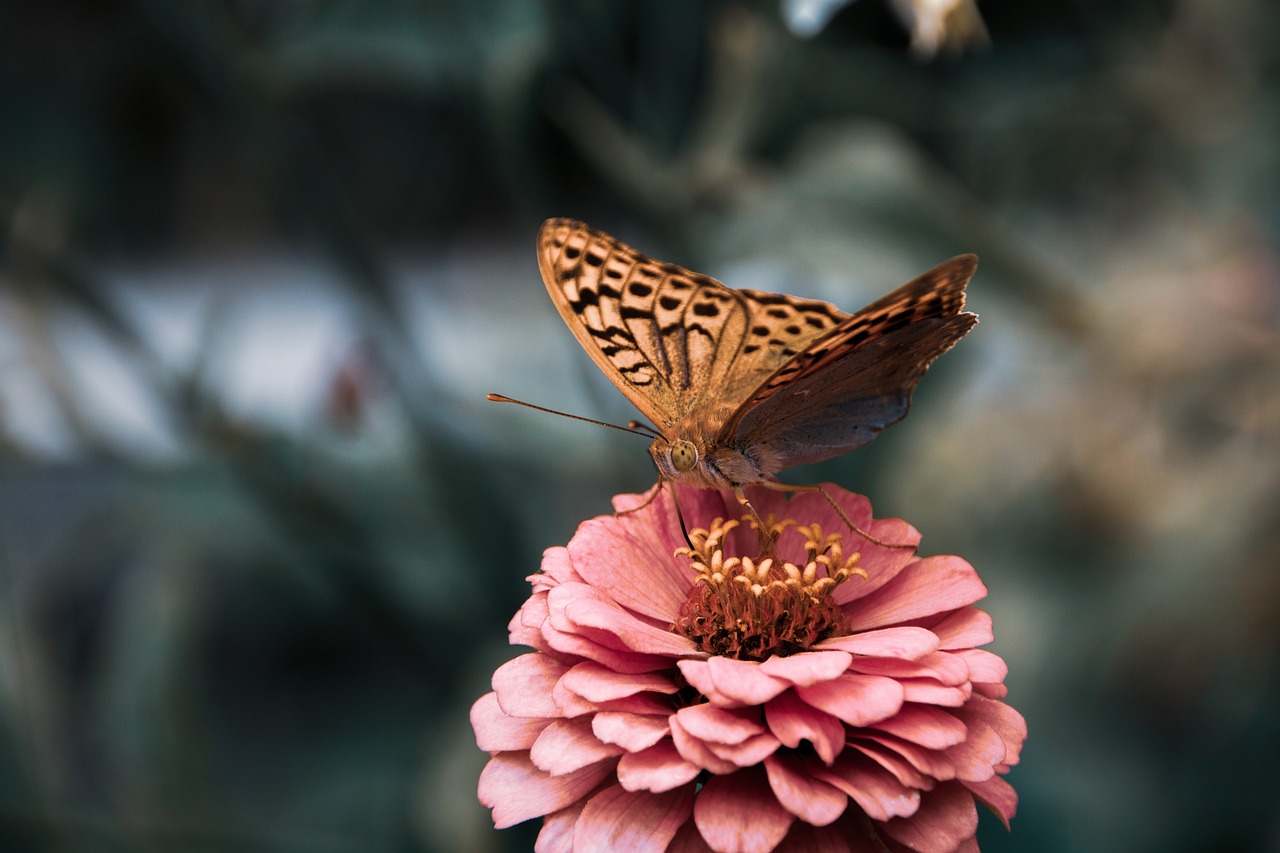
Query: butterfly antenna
{"type": "Point", "coordinates": [639, 426]}
{"type": "Point", "coordinates": [498, 398]}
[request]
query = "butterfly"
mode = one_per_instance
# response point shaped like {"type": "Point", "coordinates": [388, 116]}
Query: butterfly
{"type": "Point", "coordinates": [742, 384]}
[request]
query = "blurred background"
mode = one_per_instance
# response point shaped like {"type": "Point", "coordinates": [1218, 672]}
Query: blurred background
{"type": "Point", "coordinates": [261, 534]}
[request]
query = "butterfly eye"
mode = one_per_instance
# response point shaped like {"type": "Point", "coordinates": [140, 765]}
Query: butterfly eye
{"type": "Point", "coordinates": [684, 455]}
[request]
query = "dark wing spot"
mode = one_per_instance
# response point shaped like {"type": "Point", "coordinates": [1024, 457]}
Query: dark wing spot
{"type": "Point", "coordinates": [705, 309]}
{"type": "Point", "coordinates": [788, 352]}
{"type": "Point", "coordinates": [780, 313]}
{"type": "Point", "coordinates": [572, 252]}
{"type": "Point", "coordinates": [670, 303]}
{"type": "Point", "coordinates": [750, 348]}
{"type": "Point", "coordinates": [638, 288]}
{"type": "Point", "coordinates": [793, 330]}
{"type": "Point", "coordinates": [594, 259]}
{"type": "Point", "coordinates": [815, 322]}
{"type": "Point", "coordinates": [629, 313]}
{"type": "Point", "coordinates": [647, 271]}
{"type": "Point", "coordinates": [760, 331]}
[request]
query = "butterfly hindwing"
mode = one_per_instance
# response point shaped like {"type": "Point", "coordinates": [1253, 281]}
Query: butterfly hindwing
{"type": "Point", "coordinates": [857, 380]}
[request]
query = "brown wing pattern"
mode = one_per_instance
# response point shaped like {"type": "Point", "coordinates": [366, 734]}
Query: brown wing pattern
{"type": "Point", "coordinates": [938, 293]}
{"type": "Point", "coordinates": [672, 340]}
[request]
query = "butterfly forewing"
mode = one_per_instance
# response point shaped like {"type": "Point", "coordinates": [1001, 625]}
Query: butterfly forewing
{"type": "Point", "coordinates": [674, 341]}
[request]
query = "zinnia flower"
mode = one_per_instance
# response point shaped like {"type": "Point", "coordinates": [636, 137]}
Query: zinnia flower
{"type": "Point", "coordinates": [828, 696]}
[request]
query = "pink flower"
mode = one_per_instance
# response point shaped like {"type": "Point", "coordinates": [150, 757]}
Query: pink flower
{"type": "Point", "coordinates": [686, 699]}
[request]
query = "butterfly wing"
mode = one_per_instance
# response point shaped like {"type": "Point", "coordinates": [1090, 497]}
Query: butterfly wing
{"type": "Point", "coordinates": [673, 341]}
{"type": "Point", "coordinates": [851, 383]}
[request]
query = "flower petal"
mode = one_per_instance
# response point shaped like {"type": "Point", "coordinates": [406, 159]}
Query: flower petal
{"type": "Point", "coordinates": [569, 745]}
{"type": "Point", "coordinates": [498, 732]}
{"type": "Point", "coordinates": [927, 691]}
{"type": "Point", "coordinates": [516, 790]}
{"type": "Point", "coordinates": [617, 819]}
{"type": "Point", "coordinates": [924, 587]}
{"type": "Point", "coordinates": [587, 611]}
{"type": "Point", "coordinates": [740, 814]}
{"type": "Point", "coordinates": [1008, 723]}
{"type": "Point", "coordinates": [658, 768]}
{"type": "Point", "coordinates": [696, 751]}
{"type": "Point", "coordinates": [856, 699]}
{"type": "Point", "coordinates": [948, 668]}
{"type": "Point", "coordinates": [556, 835]}
{"type": "Point", "coordinates": [984, 667]}
{"type": "Point", "coordinates": [907, 643]}
{"type": "Point", "coordinates": [717, 725]}
{"type": "Point", "coordinates": [997, 795]}
{"type": "Point", "coordinates": [813, 801]}
{"type": "Point", "coordinates": [874, 789]}
{"type": "Point", "coordinates": [632, 732]}
{"type": "Point", "coordinates": [792, 720]}
{"type": "Point", "coordinates": [946, 818]}
{"type": "Point", "coordinates": [750, 752]}
{"type": "Point", "coordinates": [925, 725]}
{"type": "Point", "coordinates": [807, 668]}
{"type": "Point", "coordinates": [609, 552]}
{"type": "Point", "coordinates": [524, 685]}
{"type": "Point", "coordinates": [731, 683]}
{"type": "Point", "coordinates": [964, 629]}
{"type": "Point", "coordinates": [932, 763]}
{"type": "Point", "coordinates": [598, 683]}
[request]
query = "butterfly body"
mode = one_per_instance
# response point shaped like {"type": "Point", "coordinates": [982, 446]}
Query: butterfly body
{"type": "Point", "coordinates": [742, 384]}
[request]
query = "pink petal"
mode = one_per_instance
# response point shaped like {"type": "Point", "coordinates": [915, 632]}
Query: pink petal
{"type": "Point", "coordinates": [688, 840]}
{"type": "Point", "coordinates": [924, 587]}
{"type": "Point", "coordinates": [696, 751]}
{"type": "Point", "coordinates": [946, 667]}
{"type": "Point", "coordinates": [926, 691]}
{"type": "Point", "coordinates": [807, 668]}
{"type": "Point", "coordinates": [525, 628]}
{"type": "Point", "coordinates": [617, 819]}
{"type": "Point", "coordinates": [931, 763]}
{"type": "Point", "coordinates": [984, 666]}
{"type": "Point", "coordinates": [497, 732]}
{"type": "Point", "coordinates": [964, 629]}
{"type": "Point", "coordinates": [876, 791]}
{"type": "Point", "coordinates": [709, 723]}
{"type": "Point", "coordinates": [792, 720]}
{"type": "Point", "coordinates": [556, 835]}
{"type": "Point", "coordinates": [982, 750]}
{"type": "Point", "coordinates": [809, 799]}
{"type": "Point", "coordinates": [524, 685]}
{"type": "Point", "coordinates": [925, 725]}
{"type": "Point", "coordinates": [518, 791]}
{"type": "Point", "coordinates": [804, 838]}
{"type": "Point", "coordinates": [946, 818]}
{"type": "Point", "coordinates": [739, 813]}
{"type": "Point", "coordinates": [1007, 723]}
{"type": "Point", "coordinates": [658, 768]}
{"type": "Point", "coordinates": [892, 761]}
{"type": "Point", "coordinates": [743, 682]}
{"type": "Point", "coordinates": [856, 699]}
{"type": "Point", "coordinates": [739, 682]}
{"type": "Point", "coordinates": [581, 609]}
{"type": "Point", "coordinates": [750, 752]}
{"type": "Point", "coordinates": [623, 556]}
{"type": "Point", "coordinates": [597, 683]}
{"type": "Point", "coordinates": [569, 745]}
{"type": "Point", "coordinates": [585, 644]}
{"type": "Point", "coordinates": [997, 795]}
{"type": "Point", "coordinates": [557, 567]}
{"type": "Point", "coordinates": [907, 643]}
{"type": "Point", "coordinates": [632, 732]}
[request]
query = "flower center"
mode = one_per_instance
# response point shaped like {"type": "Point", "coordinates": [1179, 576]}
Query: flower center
{"type": "Point", "coordinates": [751, 609]}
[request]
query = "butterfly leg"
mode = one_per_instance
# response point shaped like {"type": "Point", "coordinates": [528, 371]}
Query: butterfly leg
{"type": "Point", "coordinates": [657, 488]}
{"type": "Point", "coordinates": [783, 487]}
{"type": "Point", "coordinates": [767, 539]}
